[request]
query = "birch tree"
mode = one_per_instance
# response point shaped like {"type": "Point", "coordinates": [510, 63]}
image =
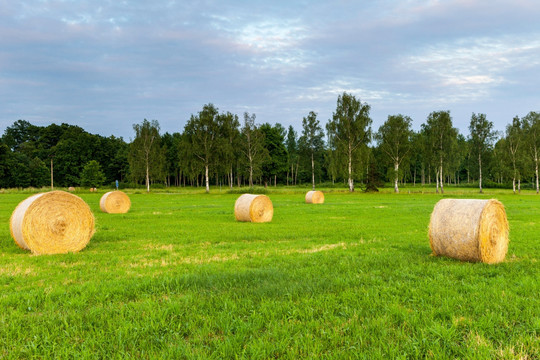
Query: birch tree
{"type": "Point", "coordinates": [481, 137]}
{"type": "Point", "coordinates": [394, 140]}
{"type": "Point", "coordinates": [514, 140]}
{"type": "Point", "coordinates": [229, 143]}
{"type": "Point", "coordinates": [253, 146]}
{"type": "Point", "coordinates": [292, 155]}
{"type": "Point", "coordinates": [203, 131]}
{"type": "Point", "coordinates": [531, 127]}
{"type": "Point", "coordinates": [441, 136]}
{"type": "Point", "coordinates": [351, 129]}
{"type": "Point", "coordinates": [146, 158]}
{"type": "Point", "coordinates": [312, 139]}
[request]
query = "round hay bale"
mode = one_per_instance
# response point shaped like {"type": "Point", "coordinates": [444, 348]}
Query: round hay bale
{"type": "Point", "coordinates": [71, 188]}
{"type": "Point", "coordinates": [115, 202]}
{"type": "Point", "coordinates": [253, 208]}
{"type": "Point", "coordinates": [55, 222]}
{"type": "Point", "coordinates": [469, 229]}
{"type": "Point", "coordinates": [314, 197]}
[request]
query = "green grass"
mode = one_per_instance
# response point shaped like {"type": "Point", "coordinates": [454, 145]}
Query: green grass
{"type": "Point", "coordinates": [178, 277]}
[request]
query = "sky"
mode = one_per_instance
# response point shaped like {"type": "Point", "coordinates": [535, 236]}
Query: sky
{"type": "Point", "coordinates": [105, 65]}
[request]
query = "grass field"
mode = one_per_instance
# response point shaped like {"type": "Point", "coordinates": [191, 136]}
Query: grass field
{"type": "Point", "coordinates": [178, 277]}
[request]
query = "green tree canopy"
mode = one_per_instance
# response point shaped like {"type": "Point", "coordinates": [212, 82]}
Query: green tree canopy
{"type": "Point", "coordinates": [203, 131]}
{"type": "Point", "coordinates": [441, 139]}
{"type": "Point", "coordinates": [351, 129]}
{"type": "Point", "coordinates": [312, 142]}
{"type": "Point", "coordinates": [92, 175]}
{"type": "Point", "coordinates": [146, 158]}
{"type": "Point", "coordinates": [481, 137]}
{"type": "Point", "coordinates": [394, 139]}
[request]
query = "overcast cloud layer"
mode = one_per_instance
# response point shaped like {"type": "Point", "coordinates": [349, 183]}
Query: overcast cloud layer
{"type": "Point", "coordinates": [105, 65]}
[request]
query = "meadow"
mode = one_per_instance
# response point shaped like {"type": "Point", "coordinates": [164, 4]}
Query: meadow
{"type": "Point", "coordinates": [178, 277]}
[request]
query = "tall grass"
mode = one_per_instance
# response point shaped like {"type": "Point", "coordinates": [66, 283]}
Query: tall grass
{"type": "Point", "coordinates": [178, 277]}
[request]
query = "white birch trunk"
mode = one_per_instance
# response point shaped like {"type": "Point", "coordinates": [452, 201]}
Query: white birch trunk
{"type": "Point", "coordinates": [207, 180]}
{"type": "Point", "coordinates": [442, 179]}
{"type": "Point", "coordinates": [396, 172]}
{"type": "Point", "coordinates": [351, 184]}
{"type": "Point", "coordinates": [480, 172]}
{"type": "Point", "coordinates": [312, 171]}
{"type": "Point", "coordinates": [250, 173]}
{"type": "Point", "coordinates": [147, 177]}
{"type": "Point", "coordinates": [536, 170]}
{"type": "Point", "coordinates": [437, 181]}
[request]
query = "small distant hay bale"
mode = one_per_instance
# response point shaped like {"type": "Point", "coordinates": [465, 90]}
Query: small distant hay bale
{"type": "Point", "coordinates": [314, 197]}
{"type": "Point", "coordinates": [469, 230]}
{"type": "Point", "coordinates": [253, 208]}
{"type": "Point", "coordinates": [115, 202]}
{"type": "Point", "coordinates": [93, 189]}
{"type": "Point", "coordinates": [55, 222]}
{"type": "Point", "coordinates": [71, 188]}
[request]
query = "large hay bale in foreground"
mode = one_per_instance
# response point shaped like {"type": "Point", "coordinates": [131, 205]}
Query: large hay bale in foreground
{"type": "Point", "coordinates": [469, 229]}
{"type": "Point", "coordinates": [253, 208]}
{"type": "Point", "coordinates": [55, 222]}
{"type": "Point", "coordinates": [314, 197]}
{"type": "Point", "coordinates": [115, 202]}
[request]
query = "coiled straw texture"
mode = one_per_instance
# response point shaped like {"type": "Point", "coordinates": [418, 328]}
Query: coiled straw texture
{"type": "Point", "coordinates": [253, 208]}
{"type": "Point", "coordinates": [55, 222]}
{"type": "Point", "coordinates": [314, 197]}
{"type": "Point", "coordinates": [469, 230]}
{"type": "Point", "coordinates": [115, 202]}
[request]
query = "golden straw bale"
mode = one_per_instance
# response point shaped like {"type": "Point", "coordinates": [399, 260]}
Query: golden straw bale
{"type": "Point", "coordinates": [469, 229]}
{"type": "Point", "coordinates": [314, 197]}
{"type": "Point", "coordinates": [55, 222]}
{"type": "Point", "coordinates": [253, 208]}
{"type": "Point", "coordinates": [115, 202]}
{"type": "Point", "coordinates": [71, 188]}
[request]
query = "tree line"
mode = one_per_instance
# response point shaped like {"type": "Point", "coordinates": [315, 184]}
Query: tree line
{"type": "Point", "coordinates": [219, 148]}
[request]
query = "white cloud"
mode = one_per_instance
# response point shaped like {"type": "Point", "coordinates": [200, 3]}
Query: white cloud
{"type": "Point", "coordinates": [471, 68]}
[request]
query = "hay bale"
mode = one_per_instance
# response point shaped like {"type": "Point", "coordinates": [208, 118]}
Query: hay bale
{"type": "Point", "coordinates": [253, 208]}
{"type": "Point", "coordinates": [115, 202]}
{"type": "Point", "coordinates": [93, 189]}
{"type": "Point", "coordinates": [71, 188]}
{"type": "Point", "coordinates": [469, 229]}
{"type": "Point", "coordinates": [55, 222]}
{"type": "Point", "coordinates": [314, 197]}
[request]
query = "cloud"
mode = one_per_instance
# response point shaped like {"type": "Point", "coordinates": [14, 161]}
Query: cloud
{"type": "Point", "coordinates": [117, 62]}
{"type": "Point", "coordinates": [470, 69]}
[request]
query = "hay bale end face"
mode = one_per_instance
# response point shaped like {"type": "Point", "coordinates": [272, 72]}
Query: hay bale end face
{"type": "Point", "coordinates": [253, 208]}
{"type": "Point", "coordinates": [115, 202]}
{"type": "Point", "coordinates": [56, 222]}
{"type": "Point", "coordinates": [314, 197]}
{"type": "Point", "coordinates": [469, 230]}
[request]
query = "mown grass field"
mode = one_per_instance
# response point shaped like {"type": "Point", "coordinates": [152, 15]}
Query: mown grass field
{"type": "Point", "coordinates": [178, 277]}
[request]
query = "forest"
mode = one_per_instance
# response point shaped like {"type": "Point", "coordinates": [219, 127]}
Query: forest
{"type": "Point", "coordinates": [221, 149]}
